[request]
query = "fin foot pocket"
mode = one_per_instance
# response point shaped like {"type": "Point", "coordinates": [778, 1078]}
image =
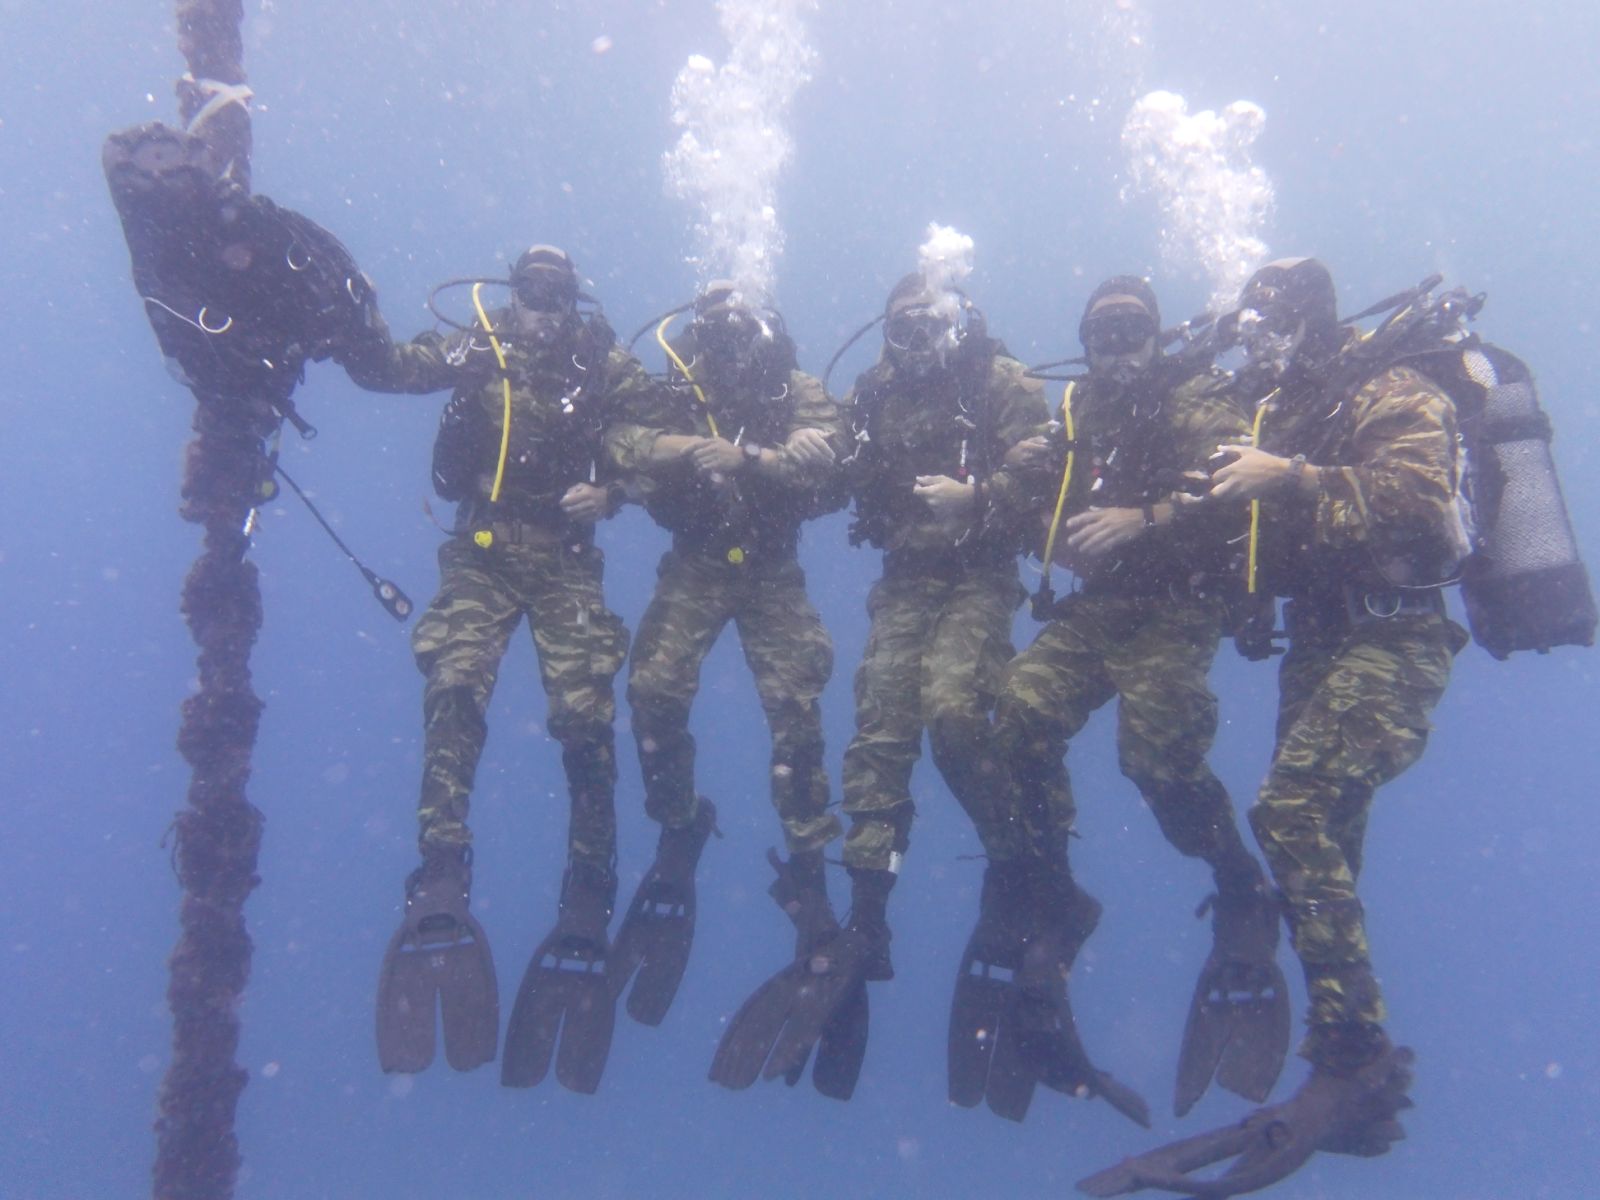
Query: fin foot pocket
{"type": "Point", "coordinates": [816, 1003]}
{"type": "Point", "coordinates": [437, 969]}
{"type": "Point", "coordinates": [1237, 1030]}
{"type": "Point", "coordinates": [565, 1009]}
{"type": "Point", "coordinates": [1011, 1023]}
{"type": "Point", "coordinates": [652, 946]}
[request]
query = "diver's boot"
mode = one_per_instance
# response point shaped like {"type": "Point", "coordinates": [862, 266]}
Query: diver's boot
{"type": "Point", "coordinates": [1064, 915]}
{"type": "Point", "coordinates": [1363, 1093]}
{"type": "Point", "coordinates": [446, 870]}
{"type": "Point", "coordinates": [438, 957]}
{"type": "Point", "coordinates": [801, 890]}
{"type": "Point", "coordinates": [565, 995]}
{"type": "Point", "coordinates": [652, 946]}
{"type": "Point", "coordinates": [869, 918]}
{"type": "Point", "coordinates": [588, 898]}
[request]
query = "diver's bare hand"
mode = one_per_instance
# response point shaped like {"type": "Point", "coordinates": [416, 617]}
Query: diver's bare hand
{"type": "Point", "coordinates": [716, 456]}
{"type": "Point", "coordinates": [1100, 530]}
{"type": "Point", "coordinates": [584, 502]}
{"type": "Point", "coordinates": [810, 448]}
{"type": "Point", "coordinates": [1249, 474]}
{"type": "Point", "coordinates": [948, 498]}
{"type": "Point", "coordinates": [1030, 452]}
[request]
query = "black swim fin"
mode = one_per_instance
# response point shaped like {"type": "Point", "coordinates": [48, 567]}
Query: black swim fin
{"type": "Point", "coordinates": [1011, 1023]}
{"type": "Point", "coordinates": [565, 1007]}
{"type": "Point", "coordinates": [1050, 1039]}
{"type": "Point", "coordinates": [652, 945]}
{"type": "Point", "coordinates": [1238, 1026]}
{"type": "Point", "coordinates": [438, 957]}
{"type": "Point", "coordinates": [985, 1060]}
{"type": "Point", "coordinates": [1339, 1112]}
{"type": "Point", "coordinates": [818, 1001]}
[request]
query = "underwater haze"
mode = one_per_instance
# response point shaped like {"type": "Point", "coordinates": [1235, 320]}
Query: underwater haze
{"type": "Point", "coordinates": [438, 140]}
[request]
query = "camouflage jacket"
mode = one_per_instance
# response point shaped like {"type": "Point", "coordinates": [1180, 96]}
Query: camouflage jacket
{"type": "Point", "coordinates": [1385, 512]}
{"type": "Point", "coordinates": [562, 401]}
{"type": "Point", "coordinates": [1134, 448]}
{"type": "Point", "coordinates": [950, 424]}
{"type": "Point", "coordinates": [759, 511]}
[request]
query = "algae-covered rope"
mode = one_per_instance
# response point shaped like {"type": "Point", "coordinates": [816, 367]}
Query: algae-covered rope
{"type": "Point", "coordinates": [218, 832]}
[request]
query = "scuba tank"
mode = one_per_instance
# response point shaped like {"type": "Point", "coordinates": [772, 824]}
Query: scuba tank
{"type": "Point", "coordinates": [1525, 586]}
{"type": "Point", "coordinates": [1522, 581]}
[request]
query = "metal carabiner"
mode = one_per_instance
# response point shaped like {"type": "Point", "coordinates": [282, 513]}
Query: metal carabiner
{"type": "Point", "coordinates": [200, 321]}
{"type": "Point", "coordinates": [1393, 606]}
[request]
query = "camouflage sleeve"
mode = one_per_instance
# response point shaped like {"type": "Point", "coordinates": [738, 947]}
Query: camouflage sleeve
{"type": "Point", "coordinates": [1204, 413]}
{"type": "Point", "coordinates": [639, 411]}
{"type": "Point", "coordinates": [632, 394]}
{"type": "Point", "coordinates": [813, 409]}
{"type": "Point", "coordinates": [628, 446]}
{"type": "Point", "coordinates": [1020, 412]}
{"type": "Point", "coordinates": [1401, 484]}
{"type": "Point", "coordinates": [430, 362]}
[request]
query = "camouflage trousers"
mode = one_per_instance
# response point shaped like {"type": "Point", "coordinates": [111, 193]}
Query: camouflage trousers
{"type": "Point", "coordinates": [1152, 654]}
{"type": "Point", "coordinates": [790, 655]}
{"type": "Point", "coordinates": [1352, 715]}
{"type": "Point", "coordinates": [459, 642]}
{"type": "Point", "coordinates": [935, 654]}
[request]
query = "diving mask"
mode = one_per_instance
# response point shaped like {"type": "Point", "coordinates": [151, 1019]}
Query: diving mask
{"type": "Point", "coordinates": [1270, 336]}
{"type": "Point", "coordinates": [918, 331]}
{"type": "Point", "coordinates": [1117, 332]}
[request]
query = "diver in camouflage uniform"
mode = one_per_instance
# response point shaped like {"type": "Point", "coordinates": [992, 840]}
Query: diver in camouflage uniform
{"type": "Point", "coordinates": [1356, 475]}
{"type": "Point", "coordinates": [933, 421]}
{"type": "Point", "coordinates": [529, 496]}
{"type": "Point", "coordinates": [1142, 628]}
{"type": "Point", "coordinates": [747, 453]}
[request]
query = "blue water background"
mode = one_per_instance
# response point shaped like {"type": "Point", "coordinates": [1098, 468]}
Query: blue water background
{"type": "Point", "coordinates": [438, 140]}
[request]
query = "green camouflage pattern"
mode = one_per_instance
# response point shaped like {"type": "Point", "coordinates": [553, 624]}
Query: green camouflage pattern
{"type": "Point", "coordinates": [936, 651]}
{"type": "Point", "coordinates": [1386, 509]}
{"type": "Point", "coordinates": [1132, 448]}
{"type": "Point", "coordinates": [1352, 715]}
{"type": "Point", "coordinates": [789, 654]}
{"type": "Point", "coordinates": [916, 426]}
{"type": "Point", "coordinates": [556, 436]}
{"type": "Point", "coordinates": [1355, 694]}
{"type": "Point", "coordinates": [1143, 631]}
{"type": "Point", "coordinates": [734, 560]}
{"type": "Point", "coordinates": [1152, 655]}
{"type": "Point", "coordinates": [459, 642]}
{"type": "Point", "coordinates": [792, 489]}
{"type": "Point", "coordinates": [539, 566]}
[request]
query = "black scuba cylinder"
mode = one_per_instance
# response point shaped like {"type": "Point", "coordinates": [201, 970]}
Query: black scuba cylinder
{"type": "Point", "coordinates": [1525, 586]}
